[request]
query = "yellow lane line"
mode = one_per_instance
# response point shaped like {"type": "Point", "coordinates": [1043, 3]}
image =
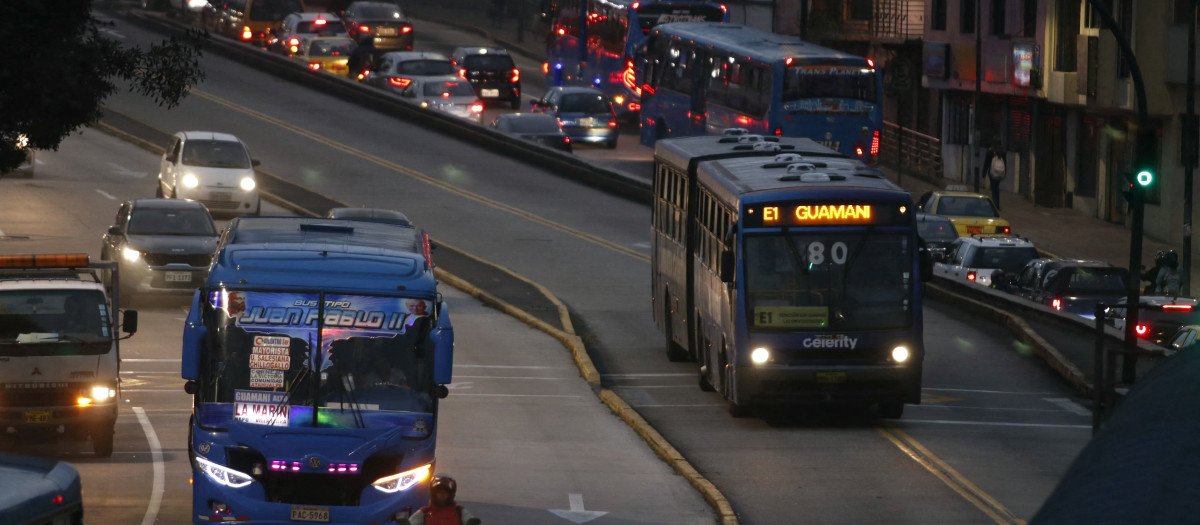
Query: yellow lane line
{"type": "Point", "coordinates": [433, 181]}
{"type": "Point", "coordinates": [957, 482]}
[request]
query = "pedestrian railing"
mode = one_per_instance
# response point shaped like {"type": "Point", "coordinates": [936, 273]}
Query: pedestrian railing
{"type": "Point", "coordinates": [910, 152]}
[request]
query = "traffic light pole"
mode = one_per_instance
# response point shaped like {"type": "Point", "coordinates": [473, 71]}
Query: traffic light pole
{"type": "Point", "coordinates": [1136, 202]}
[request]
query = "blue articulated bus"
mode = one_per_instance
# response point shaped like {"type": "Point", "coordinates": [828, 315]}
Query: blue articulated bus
{"type": "Point", "coordinates": [316, 354]}
{"type": "Point", "coordinates": [790, 272]}
{"type": "Point", "coordinates": [700, 78]}
{"type": "Point", "coordinates": [592, 42]}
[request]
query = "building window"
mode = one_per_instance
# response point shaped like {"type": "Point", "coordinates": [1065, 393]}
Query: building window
{"type": "Point", "coordinates": [939, 15]}
{"type": "Point", "coordinates": [1029, 18]}
{"type": "Point", "coordinates": [966, 17]}
{"type": "Point", "coordinates": [999, 13]}
{"type": "Point", "coordinates": [1067, 30]}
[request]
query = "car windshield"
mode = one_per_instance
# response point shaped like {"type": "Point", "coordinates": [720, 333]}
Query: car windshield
{"type": "Point", "coordinates": [477, 62]}
{"type": "Point", "coordinates": [585, 103]}
{"type": "Point", "coordinates": [331, 48]}
{"type": "Point", "coordinates": [425, 67]}
{"type": "Point", "coordinates": [151, 221]}
{"type": "Point", "coordinates": [373, 364]}
{"type": "Point", "coordinates": [321, 27]}
{"type": "Point", "coordinates": [448, 89]}
{"type": "Point", "coordinates": [534, 124]}
{"type": "Point", "coordinates": [828, 281]}
{"type": "Point", "coordinates": [1083, 280]}
{"type": "Point", "coordinates": [273, 10]}
{"type": "Point", "coordinates": [966, 207]}
{"type": "Point", "coordinates": [936, 230]}
{"type": "Point", "coordinates": [215, 154]}
{"type": "Point", "coordinates": [53, 322]}
{"type": "Point", "coordinates": [1009, 259]}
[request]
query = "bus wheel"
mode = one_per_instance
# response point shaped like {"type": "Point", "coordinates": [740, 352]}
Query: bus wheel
{"type": "Point", "coordinates": [102, 441]}
{"type": "Point", "coordinates": [891, 409]}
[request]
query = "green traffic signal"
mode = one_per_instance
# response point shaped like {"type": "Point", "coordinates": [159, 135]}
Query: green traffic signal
{"type": "Point", "coordinates": [1144, 178]}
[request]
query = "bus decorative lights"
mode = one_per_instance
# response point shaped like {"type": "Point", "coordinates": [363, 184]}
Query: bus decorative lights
{"type": "Point", "coordinates": [1056, 304]}
{"type": "Point", "coordinates": [1178, 307]}
{"type": "Point", "coordinates": [787, 61]}
{"type": "Point", "coordinates": [399, 82]}
{"type": "Point", "coordinates": [634, 106]}
{"type": "Point", "coordinates": [1141, 330]}
{"type": "Point", "coordinates": [724, 9]}
{"type": "Point", "coordinates": [629, 76]}
{"type": "Point", "coordinates": [315, 66]}
{"type": "Point", "coordinates": [870, 62]}
{"type": "Point", "coordinates": [875, 143]}
{"type": "Point", "coordinates": [636, 5]}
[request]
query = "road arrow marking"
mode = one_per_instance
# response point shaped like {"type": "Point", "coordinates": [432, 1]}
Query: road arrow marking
{"type": "Point", "coordinates": [577, 514]}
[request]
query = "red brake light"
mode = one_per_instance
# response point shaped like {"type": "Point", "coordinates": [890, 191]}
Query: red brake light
{"type": "Point", "coordinates": [566, 140]}
{"type": "Point", "coordinates": [247, 34]}
{"type": "Point", "coordinates": [516, 75]}
{"type": "Point", "coordinates": [294, 41]}
{"type": "Point", "coordinates": [870, 62]}
{"type": "Point", "coordinates": [778, 132]}
{"type": "Point", "coordinates": [399, 82]}
{"type": "Point", "coordinates": [57, 499]}
{"type": "Point", "coordinates": [364, 29]}
{"type": "Point", "coordinates": [858, 150]}
{"type": "Point", "coordinates": [875, 144]}
{"type": "Point", "coordinates": [406, 29]}
{"type": "Point", "coordinates": [561, 31]}
{"type": "Point", "coordinates": [970, 276]}
{"type": "Point", "coordinates": [1056, 304]}
{"type": "Point", "coordinates": [445, 94]}
{"type": "Point", "coordinates": [1141, 330]}
{"type": "Point", "coordinates": [612, 123]}
{"type": "Point", "coordinates": [545, 68]}
{"type": "Point", "coordinates": [462, 73]}
{"type": "Point", "coordinates": [314, 65]}
{"type": "Point", "coordinates": [637, 5]}
{"type": "Point", "coordinates": [1007, 230]}
{"type": "Point", "coordinates": [477, 108]}
{"type": "Point", "coordinates": [319, 21]}
{"type": "Point", "coordinates": [787, 61]}
{"type": "Point", "coordinates": [1178, 307]}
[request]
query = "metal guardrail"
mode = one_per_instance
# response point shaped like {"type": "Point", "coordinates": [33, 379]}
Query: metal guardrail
{"type": "Point", "coordinates": [910, 152]}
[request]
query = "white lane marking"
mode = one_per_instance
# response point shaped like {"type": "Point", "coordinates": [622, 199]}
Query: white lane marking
{"type": "Point", "coordinates": [149, 360]}
{"type": "Point", "coordinates": [102, 192]}
{"type": "Point", "coordinates": [577, 514]}
{"type": "Point", "coordinates": [1069, 406]}
{"type": "Point", "coordinates": [156, 493]}
{"type": "Point", "coordinates": [507, 366]}
{"type": "Point", "coordinates": [515, 377]}
{"type": "Point", "coordinates": [988, 391]}
{"type": "Point", "coordinates": [634, 376]}
{"type": "Point", "coordinates": [925, 406]}
{"type": "Point", "coordinates": [994, 423]}
{"type": "Point", "coordinates": [457, 394]}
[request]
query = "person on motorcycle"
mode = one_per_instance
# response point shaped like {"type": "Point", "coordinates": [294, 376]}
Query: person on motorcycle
{"type": "Point", "coordinates": [442, 509]}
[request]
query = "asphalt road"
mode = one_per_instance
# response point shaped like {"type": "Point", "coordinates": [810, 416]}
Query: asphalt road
{"type": "Point", "coordinates": [995, 431]}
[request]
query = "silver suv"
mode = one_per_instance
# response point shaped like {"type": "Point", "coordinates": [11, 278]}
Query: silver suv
{"type": "Point", "coordinates": [973, 260]}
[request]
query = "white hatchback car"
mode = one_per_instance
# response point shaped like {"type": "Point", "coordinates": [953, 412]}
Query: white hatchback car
{"type": "Point", "coordinates": [213, 168]}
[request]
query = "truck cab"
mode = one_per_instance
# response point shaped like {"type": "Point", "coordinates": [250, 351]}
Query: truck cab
{"type": "Point", "coordinates": [59, 348]}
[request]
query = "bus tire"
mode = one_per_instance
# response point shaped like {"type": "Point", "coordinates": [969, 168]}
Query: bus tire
{"type": "Point", "coordinates": [891, 409]}
{"type": "Point", "coordinates": [102, 440]}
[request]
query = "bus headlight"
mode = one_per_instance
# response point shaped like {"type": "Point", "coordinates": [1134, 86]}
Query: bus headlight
{"type": "Point", "coordinates": [190, 181]}
{"type": "Point", "coordinates": [247, 183]}
{"type": "Point", "coordinates": [900, 354]}
{"type": "Point", "coordinates": [760, 355]}
{"type": "Point", "coordinates": [222, 474]}
{"type": "Point", "coordinates": [103, 393]}
{"type": "Point", "coordinates": [402, 481]}
{"type": "Point", "coordinates": [130, 254]}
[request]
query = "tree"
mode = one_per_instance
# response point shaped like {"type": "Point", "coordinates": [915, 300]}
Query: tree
{"type": "Point", "coordinates": [59, 67]}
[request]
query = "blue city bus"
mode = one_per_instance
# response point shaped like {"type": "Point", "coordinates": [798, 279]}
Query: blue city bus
{"type": "Point", "coordinates": [316, 353]}
{"type": "Point", "coordinates": [790, 272]}
{"type": "Point", "coordinates": [699, 78]}
{"type": "Point", "coordinates": [592, 42]}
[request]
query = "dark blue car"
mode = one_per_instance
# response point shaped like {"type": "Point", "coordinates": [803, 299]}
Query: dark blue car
{"type": "Point", "coordinates": [585, 114]}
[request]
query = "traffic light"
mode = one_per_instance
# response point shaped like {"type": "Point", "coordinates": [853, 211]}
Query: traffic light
{"type": "Point", "coordinates": [1144, 177]}
{"type": "Point", "coordinates": [1145, 168]}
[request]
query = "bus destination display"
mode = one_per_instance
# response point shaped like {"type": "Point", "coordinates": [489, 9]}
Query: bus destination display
{"type": "Point", "coordinates": [825, 214]}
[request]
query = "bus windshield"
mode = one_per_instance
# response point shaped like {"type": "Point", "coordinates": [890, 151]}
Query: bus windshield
{"type": "Point", "coordinates": [651, 14]}
{"type": "Point", "coordinates": [374, 368]}
{"type": "Point", "coordinates": [818, 282]}
{"type": "Point", "coordinates": [809, 81]}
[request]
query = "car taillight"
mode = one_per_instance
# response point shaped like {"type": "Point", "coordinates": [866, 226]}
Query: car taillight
{"type": "Point", "coordinates": [406, 29]}
{"type": "Point", "coordinates": [364, 29]}
{"type": "Point", "coordinates": [319, 21]}
{"type": "Point", "coordinates": [462, 73]}
{"type": "Point", "coordinates": [247, 34]}
{"type": "Point", "coordinates": [516, 76]}
{"type": "Point", "coordinates": [399, 82]}
{"type": "Point", "coordinates": [1141, 330]}
{"type": "Point", "coordinates": [566, 140]}
{"type": "Point", "coordinates": [476, 108]}
{"type": "Point", "coordinates": [1056, 304]}
{"type": "Point", "coordinates": [1005, 230]}
{"type": "Point", "coordinates": [294, 41]}
{"type": "Point", "coordinates": [612, 123]}
{"type": "Point", "coordinates": [970, 276]}
{"type": "Point", "coordinates": [778, 132]}
{"type": "Point", "coordinates": [314, 66]}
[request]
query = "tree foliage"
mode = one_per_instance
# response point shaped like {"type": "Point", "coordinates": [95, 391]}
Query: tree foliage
{"type": "Point", "coordinates": [59, 66]}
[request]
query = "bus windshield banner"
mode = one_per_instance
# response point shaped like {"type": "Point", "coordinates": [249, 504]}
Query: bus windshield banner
{"type": "Point", "coordinates": [825, 214]}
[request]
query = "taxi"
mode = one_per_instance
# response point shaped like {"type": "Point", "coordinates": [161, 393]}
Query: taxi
{"type": "Point", "coordinates": [327, 53]}
{"type": "Point", "coordinates": [971, 213]}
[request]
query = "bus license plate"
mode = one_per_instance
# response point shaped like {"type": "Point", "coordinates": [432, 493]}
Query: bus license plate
{"type": "Point", "coordinates": [178, 277]}
{"type": "Point", "coordinates": [37, 416]}
{"type": "Point", "coordinates": [490, 92]}
{"type": "Point", "coordinates": [304, 513]}
{"type": "Point", "coordinates": [829, 378]}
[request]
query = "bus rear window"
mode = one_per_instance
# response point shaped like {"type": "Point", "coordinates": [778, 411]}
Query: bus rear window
{"type": "Point", "coordinates": [806, 82]}
{"type": "Point", "coordinates": [652, 14]}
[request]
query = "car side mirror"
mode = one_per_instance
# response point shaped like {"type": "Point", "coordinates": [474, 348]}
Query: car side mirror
{"type": "Point", "coordinates": [129, 322]}
{"type": "Point", "coordinates": [189, 386]}
{"type": "Point", "coordinates": [441, 391]}
{"type": "Point", "coordinates": [114, 230]}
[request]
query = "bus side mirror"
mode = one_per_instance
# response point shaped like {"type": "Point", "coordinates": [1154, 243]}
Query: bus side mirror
{"type": "Point", "coordinates": [194, 334]}
{"type": "Point", "coordinates": [443, 346]}
{"type": "Point", "coordinates": [926, 262]}
{"type": "Point", "coordinates": [129, 322]}
{"type": "Point", "coordinates": [727, 265]}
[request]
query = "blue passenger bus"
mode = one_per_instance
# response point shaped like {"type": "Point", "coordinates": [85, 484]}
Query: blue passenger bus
{"type": "Point", "coordinates": [592, 42]}
{"type": "Point", "coordinates": [316, 354]}
{"type": "Point", "coordinates": [699, 78]}
{"type": "Point", "coordinates": [791, 273]}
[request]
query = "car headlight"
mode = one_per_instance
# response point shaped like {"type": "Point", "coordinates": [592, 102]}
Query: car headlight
{"type": "Point", "coordinates": [402, 481]}
{"type": "Point", "coordinates": [130, 254]}
{"type": "Point", "coordinates": [900, 354]}
{"type": "Point", "coordinates": [222, 474]}
{"type": "Point", "coordinates": [103, 393]}
{"type": "Point", "coordinates": [190, 181]}
{"type": "Point", "coordinates": [247, 183]}
{"type": "Point", "coordinates": [760, 355]}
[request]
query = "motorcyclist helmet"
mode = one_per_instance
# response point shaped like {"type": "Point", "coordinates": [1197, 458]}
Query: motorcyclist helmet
{"type": "Point", "coordinates": [442, 481]}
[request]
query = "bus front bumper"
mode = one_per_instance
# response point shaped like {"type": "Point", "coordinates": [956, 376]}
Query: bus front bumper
{"type": "Point", "coordinates": [216, 503]}
{"type": "Point", "coordinates": [828, 384]}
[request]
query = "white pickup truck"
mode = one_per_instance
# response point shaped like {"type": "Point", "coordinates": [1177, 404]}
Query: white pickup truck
{"type": "Point", "coordinates": [59, 348]}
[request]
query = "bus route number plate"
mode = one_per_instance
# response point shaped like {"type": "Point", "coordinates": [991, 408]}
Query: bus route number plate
{"type": "Point", "coordinates": [37, 416]}
{"type": "Point", "coordinates": [829, 378]}
{"type": "Point", "coordinates": [305, 513]}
